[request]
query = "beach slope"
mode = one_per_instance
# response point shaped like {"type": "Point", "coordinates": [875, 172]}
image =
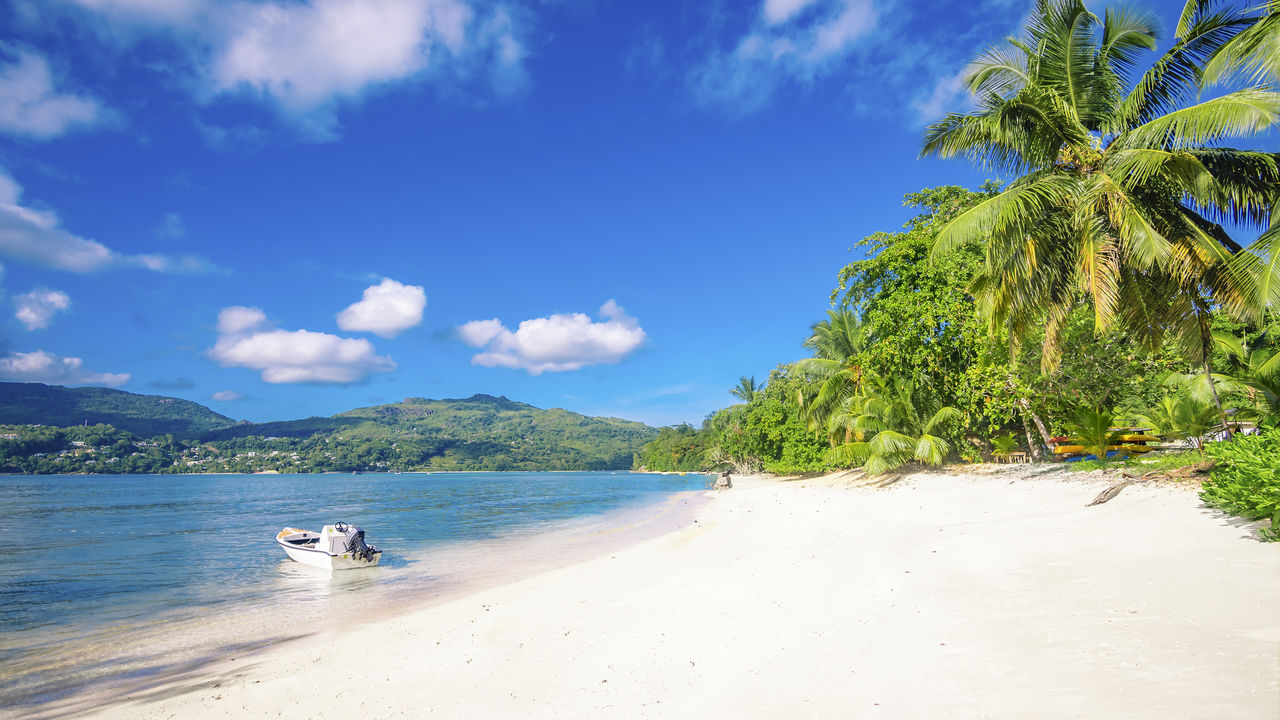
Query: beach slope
{"type": "Point", "coordinates": [942, 595]}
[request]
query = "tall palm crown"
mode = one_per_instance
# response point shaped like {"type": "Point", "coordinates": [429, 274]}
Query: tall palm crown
{"type": "Point", "coordinates": [1120, 193]}
{"type": "Point", "coordinates": [835, 343]}
{"type": "Point", "coordinates": [746, 389]}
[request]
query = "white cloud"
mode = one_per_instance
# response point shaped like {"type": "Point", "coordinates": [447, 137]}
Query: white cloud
{"type": "Point", "coordinates": [29, 104]}
{"type": "Point", "coordinates": [226, 396]}
{"type": "Point", "coordinates": [298, 356]}
{"type": "Point", "coordinates": [948, 94]}
{"type": "Point", "coordinates": [386, 310]}
{"type": "Point", "coordinates": [35, 236]}
{"type": "Point", "coordinates": [478, 333]}
{"type": "Point", "coordinates": [557, 343]}
{"type": "Point", "coordinates": [306, 56]}
{"type": "Point", "coordinates": [37, 308]}
{"type": "Point", "coordinates": [40, 366]}
{"type": "Point", "coordinates": [238, 319]}
{"type": "Point", "coordinates": [794, 40]}
{"type": "Point", "coordinates": [779, 11]}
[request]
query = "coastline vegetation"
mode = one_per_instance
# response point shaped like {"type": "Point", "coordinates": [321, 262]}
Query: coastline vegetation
{"type": "Point", "coordinates": [1099, 288]}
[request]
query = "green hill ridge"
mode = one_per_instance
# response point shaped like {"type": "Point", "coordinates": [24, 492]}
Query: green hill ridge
{"type": "Point", "coordinates": [143, 415]}
{"type": "Point", "coordinates": [481, 432]}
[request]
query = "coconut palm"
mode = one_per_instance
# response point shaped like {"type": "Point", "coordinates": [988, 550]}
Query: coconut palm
{"type": "Point", "coordinates": [1120, 193]}
{"type": "Point", "coordinates": [894, 425]}
{"type": "Point", "coordinates": [836, 343]}
{"type": "Point", "coordinates": [746, 389]}
{"type": "Point", "coordinates": [1177, 417]}
{"type": "Point", "coordinates": [1254, 51]}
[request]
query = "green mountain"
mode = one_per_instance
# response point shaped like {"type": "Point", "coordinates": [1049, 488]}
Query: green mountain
{"type": "Point", "coordinates": [481, 432]}
{"type": "Point", "coordinates": [142, 415]}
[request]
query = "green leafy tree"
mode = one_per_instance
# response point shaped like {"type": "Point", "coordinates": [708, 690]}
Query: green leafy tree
{"type": "Point", "coordinates": [1118, 192]}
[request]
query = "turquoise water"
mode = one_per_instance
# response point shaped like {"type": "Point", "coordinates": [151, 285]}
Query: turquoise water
{"type": "Point", "coordinates": [109, 578]}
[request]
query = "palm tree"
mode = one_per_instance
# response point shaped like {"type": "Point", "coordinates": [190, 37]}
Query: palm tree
{"type": "Point", "coordinates": [1177, 417]}
{"type": "Point", "coordinates": [1120, 193]}
{"type": "Point", "coordinates": [1091, 429]}
{"type": "Point", "coordinates": [1254, 50]}
{"type": "Point", "coordinates": [836, 343]}
{"type": "Point", "coordinates": [746, 389]}
{"type": "Point", "coordinates": [901, 426]}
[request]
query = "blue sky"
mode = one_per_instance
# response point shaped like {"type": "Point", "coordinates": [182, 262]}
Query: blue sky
{"type": "Point", "coordinates": [284, 208]}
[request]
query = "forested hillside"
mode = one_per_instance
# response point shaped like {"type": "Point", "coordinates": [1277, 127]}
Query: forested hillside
{"type": "Point", "coordinates": [144, 415]}
{"type": "Point", "coordinates": [477, 433]}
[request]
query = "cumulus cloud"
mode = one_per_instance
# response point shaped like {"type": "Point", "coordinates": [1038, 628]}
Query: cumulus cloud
{"type": "Point", "coordinates": [37, 308]}
{"type": "Point", "coordinates": [299, 356]}
{"type": "Point", "coordinates": [307, 56]}
{"type": "Point", "coordinates": [226, 396]}
{"type": "Point", "coordinates": [791, 40]}
{"type": "Point", "coordinates": [31, 106]}
{"type": "Point", "coordinates": [557, 343]}
{"type": "Point", "coordinates": [238, 318]}
{"type": "Point", "coordinates": [43, 367]}
{"type": "Point", "coordinates": [36, 237]}
{"type": "Point", "coordinates": [386, 309]}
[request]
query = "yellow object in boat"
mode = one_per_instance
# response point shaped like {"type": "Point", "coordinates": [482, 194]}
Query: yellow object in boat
{"type": "Point", "coordinates": [1139, 438]}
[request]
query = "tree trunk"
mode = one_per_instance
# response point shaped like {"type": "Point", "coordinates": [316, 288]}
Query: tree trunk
{"type": "Point", "coordinates": [1206, 352]}
{"type": "Point", "coordinates": [1031, 444]}
{"type": "Point", "coordinates": [1035, 449]}
{"type": "Point", "coordinates": [1213, 390]}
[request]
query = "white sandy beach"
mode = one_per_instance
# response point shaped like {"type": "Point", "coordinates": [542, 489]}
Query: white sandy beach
{"type": "Point", "coordinates": [941, 596]}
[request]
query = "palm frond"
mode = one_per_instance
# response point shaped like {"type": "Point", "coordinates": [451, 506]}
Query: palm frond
{"type": "Point", "coordinates": [1014, 208]}
{"type": "Point", "coordinates": [1237, 114]}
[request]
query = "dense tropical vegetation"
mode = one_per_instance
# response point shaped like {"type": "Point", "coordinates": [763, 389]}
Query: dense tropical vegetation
{"type": "Point", "coordinates": [1128, 274]}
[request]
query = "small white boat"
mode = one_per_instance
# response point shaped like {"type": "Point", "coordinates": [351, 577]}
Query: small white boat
{"type": "Point", "coordinates": [339, 546]}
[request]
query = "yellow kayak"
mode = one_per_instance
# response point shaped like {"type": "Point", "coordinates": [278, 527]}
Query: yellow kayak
{"type": "Point", "coordinates": [1078, 449]}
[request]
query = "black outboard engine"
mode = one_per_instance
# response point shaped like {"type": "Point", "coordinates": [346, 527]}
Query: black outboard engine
{"type": "Point", "coordinates": [355, 542]}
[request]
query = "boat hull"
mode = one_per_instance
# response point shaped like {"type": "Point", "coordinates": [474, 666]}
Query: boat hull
{"type": "Point", "coordinates": [317, 558]}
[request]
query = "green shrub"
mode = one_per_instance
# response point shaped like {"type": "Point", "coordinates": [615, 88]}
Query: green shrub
{"type": "Point", "coordinates": [1246, 481]}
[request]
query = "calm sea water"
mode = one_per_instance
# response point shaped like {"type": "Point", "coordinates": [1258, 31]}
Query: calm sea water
{"type": "Point", "coordinates": [106, 578]}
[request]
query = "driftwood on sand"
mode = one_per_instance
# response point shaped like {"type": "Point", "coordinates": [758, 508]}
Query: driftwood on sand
{"type": "Point", "coordinates": [1181, 473]}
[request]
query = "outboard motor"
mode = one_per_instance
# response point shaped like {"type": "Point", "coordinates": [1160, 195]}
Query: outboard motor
{"type": "Point", "coordinates": [355, 542]}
